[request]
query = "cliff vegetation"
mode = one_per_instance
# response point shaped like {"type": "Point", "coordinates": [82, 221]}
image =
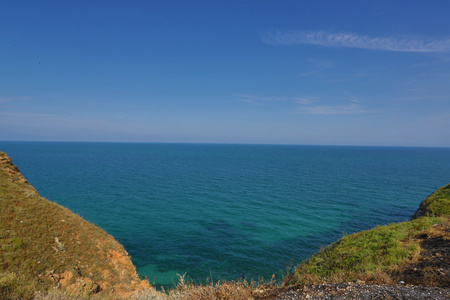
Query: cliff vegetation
{"type": "Point", "coordinates": [45, 246]}
{"type": "Point", "coordinates": [413, 252]}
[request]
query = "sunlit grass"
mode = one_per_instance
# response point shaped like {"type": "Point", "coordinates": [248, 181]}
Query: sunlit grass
{"type": "Point", "coordinates": [369, 255]}
{"type": "Point", "coordinates": [437, 204]}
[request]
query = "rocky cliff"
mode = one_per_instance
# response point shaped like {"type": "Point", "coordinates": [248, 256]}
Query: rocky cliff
{"type": "Point", "coordinates": [47, 246]}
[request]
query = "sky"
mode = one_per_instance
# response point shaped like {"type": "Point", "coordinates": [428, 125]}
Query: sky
{"type": "Point", "coordinates": [259, 72]}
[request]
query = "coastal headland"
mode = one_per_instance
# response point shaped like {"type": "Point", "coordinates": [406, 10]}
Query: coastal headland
{"type": "Point", "coordinates": [48, 252]}
{"type": "Point", "coordinates": [46, 246]}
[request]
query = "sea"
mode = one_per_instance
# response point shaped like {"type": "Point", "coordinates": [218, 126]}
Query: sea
{"type": "Point", "coordinates": [229, 211]}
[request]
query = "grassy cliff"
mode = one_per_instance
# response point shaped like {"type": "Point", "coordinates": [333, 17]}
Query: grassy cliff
{"type": "Point", "coordinates": [415, 252]}
{"type": "Point", "coordinates": [437, 204]}
{"type": "Point", "coordinates": [44, 246]}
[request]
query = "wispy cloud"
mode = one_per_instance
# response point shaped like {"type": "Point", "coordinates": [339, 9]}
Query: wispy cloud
{"type": "Point", "coordinates": [25, 115]}
{"type": "Point", "coordinates": [351, 40]}
{"type": "Point", "coordinates": [312, 105]}
{"type": "Point", "coordinates": [261, 99]}
{"type": "Point", "coordinates": [350, 106]}
{"type": "Point", "coordinates": [310, 74]}
{"type": "Point", "coordinates": [5, 99]}
{"type": "Point", "coordinates": [321, 63]}
{"type": "Point", "coordinates": [11, 99]}
{"type": "Point", "coordinates": [349, 109]}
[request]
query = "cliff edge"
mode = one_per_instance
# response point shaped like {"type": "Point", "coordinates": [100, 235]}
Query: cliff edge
{"type": "Point", "coordinates": [44, 246]}
{"type": "Point", "coordinates": [435, 205]}
{"type": "Point", "coordinates": [406, 260]}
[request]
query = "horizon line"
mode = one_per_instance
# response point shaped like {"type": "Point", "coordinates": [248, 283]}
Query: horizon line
{"type": "Point", "coordinates": [221, 143]}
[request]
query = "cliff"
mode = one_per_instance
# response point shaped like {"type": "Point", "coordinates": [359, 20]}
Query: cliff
{"type": "Point", "coordinates": [437, 204]}
{"type": "Point", "coordinates": [396, 261]}
{"type": "Point", "coordinates": [44, 246]}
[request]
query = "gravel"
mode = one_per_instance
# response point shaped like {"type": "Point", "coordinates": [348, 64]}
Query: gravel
{"type": "Point", "coordinates": [359, 291]}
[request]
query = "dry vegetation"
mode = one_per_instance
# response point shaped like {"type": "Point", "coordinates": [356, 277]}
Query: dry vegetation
{"type": "Point", "coordinates": [45, 245]}
{"type": "Point", "coordinates": [232, 290]}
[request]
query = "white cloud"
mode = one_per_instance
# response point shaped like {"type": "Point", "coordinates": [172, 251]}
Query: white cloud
{"type": "Point", "coordinates": [260, 99]}
{"type": "Point", "coordinates": [5, 99]}
{"type": "Point", "coordinates": [349, 109]}
{"type": "Point", "coordinates": [11, 99]}
{"type": "Point", "coordinates": [355, 100]}
{"type": "Point", "coordinates": [251, 101]}
{"type": "Point", "coordinates": [24, 115]}
{"type": "Point", "coordinates": [309, 74]}
{"type": "Point", "coordinates": [321, 63]}
{"type": "Point", "coordinates": [305, 100]}
{"type": "Point", "coordinates": [350, 40]}
{"type": "Point", "coordinates": [310, 105]}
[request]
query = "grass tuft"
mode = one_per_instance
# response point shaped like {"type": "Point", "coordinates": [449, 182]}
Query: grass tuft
{"type": "Point", "coordinates": [13, 286]}
{"type": "Point", "coordinates": [187, 290]}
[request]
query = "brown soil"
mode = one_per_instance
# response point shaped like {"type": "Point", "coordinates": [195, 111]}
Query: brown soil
{"type": "Point", "coordinates": [432, 268]}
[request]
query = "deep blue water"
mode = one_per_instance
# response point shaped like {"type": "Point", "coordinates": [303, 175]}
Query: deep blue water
{"type": "Point", "coordinates": [228, 211]}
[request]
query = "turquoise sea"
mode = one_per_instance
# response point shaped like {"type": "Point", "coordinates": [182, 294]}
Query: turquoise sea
{"type": "Point", "coordinates": [229, 211]}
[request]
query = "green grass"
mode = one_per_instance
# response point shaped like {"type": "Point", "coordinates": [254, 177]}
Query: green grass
{"type": "Point", "coordinates": [370, 251]}
{"type": "Point", "coordinates": [438, 203]}
{"type": "Point", "coordinates": [13, 286]}
{"type": "Point", "coordinates": [376, 252]}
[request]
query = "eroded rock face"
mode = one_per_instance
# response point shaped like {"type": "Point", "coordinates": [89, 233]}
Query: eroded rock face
{"type": "Point", "coordinates": [57, 245]}
{"type": "Point", "coordinates": [8, 168]}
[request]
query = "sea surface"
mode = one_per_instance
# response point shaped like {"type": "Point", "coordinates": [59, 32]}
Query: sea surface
{"type": "Point", "coordinates": [222, 211]}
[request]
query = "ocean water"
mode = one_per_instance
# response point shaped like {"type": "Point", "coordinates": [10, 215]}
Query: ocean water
{"type": "Point", "coordinates": [229, 211]}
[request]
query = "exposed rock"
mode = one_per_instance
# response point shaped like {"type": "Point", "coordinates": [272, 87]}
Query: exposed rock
{"type": "Point", "coordinates": [9, 168]}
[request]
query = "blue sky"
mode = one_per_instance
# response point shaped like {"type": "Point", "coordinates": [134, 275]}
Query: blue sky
{"type": "Point", "coordinates": [277, 72]}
